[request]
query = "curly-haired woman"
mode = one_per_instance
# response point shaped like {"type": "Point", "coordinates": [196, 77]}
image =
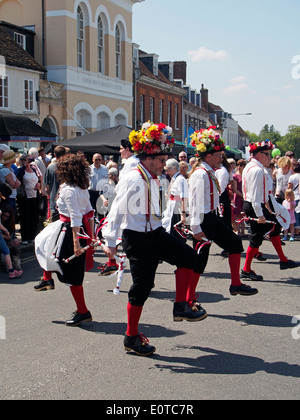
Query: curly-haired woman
{"type": "Point", "coordinates": [76, 212]}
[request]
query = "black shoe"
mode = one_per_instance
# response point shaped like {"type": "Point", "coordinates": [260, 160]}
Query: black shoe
{"type": "Point", "coordinates": [289, 264]}
{"type": "Point", "coordinates": [106, 270]}
{"type": "Point", "coordinates": [77, 319]}
{"type": "Point", "coordinates": [259, 257]}
{"type": "Point", "coordinates": [182, 311]}
{"type": "Point", "coordinates": [44, 285]}
{"type": "Point", "coordinates": [251, 275]}
{"type": "Point", "coordinates": [243, 290]}
{"type": "Point", "coordinates": [139, 344]}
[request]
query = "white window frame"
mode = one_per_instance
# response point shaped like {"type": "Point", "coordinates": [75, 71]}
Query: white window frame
{"type": "Point", "coordinates": [176, 116]}
{"type": "Point", "coordinates": [142, 108]}
{"type": "Point", "coordinates": [101, 51]}
{"type": "Point", "coordinates": [118, 52]}
{"type": "Point", "coordinates": [161, 110]}
{"type": "Point", "coordinates": [169, 113]}
{"type": "Point", "coordinates": [20, 39]}
{"type": "Point", "coordinates": [80, 38]}
{"type": "Point", "coordinates": [29, 94]}
{"type": "Point", "coordinates": [4, 92]}
{"type": "Point", "coordinates": [151, 109]}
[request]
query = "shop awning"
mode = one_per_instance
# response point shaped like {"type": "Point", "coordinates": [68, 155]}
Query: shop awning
{"type": "Point", "coordinates": [179, 146]}
{"type": "Point", "coordinates": [238, 154]}
{"type": "Point", "coordinates": [17, 128]}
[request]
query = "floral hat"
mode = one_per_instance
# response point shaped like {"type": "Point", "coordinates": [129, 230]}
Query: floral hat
{"type": "Point", "coordinates": [152, 139]}
{"type": "Point", "coordinates": [207, 141]}
{"type": "Point", "coordinates": [261, 145]}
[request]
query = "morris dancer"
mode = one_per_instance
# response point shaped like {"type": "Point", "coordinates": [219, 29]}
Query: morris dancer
{"type": "Point", "coordinates": [204, 195]}
{"type": "Point", "coordinates": [137, 207]}
{"type": "Point", "coordinates": [75, 211]}
{"type": "Point", "coordinates": [256, 197]}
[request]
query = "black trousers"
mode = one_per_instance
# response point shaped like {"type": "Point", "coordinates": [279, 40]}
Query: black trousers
{"type": "Point", "coordinates": [145, 250]}
{"type": "Point", "coordinates": [29, 217]}
{"type": "Point", "coordinates": [175, 219]}
{"type": "Point", "coordinates": [219, 232]}
{"type": "Point", "coordinates": [94, 195]}
{"type": "Point", "coordinates": [225, 202]}
{"type": "Point", "coordinates": [258, 230]}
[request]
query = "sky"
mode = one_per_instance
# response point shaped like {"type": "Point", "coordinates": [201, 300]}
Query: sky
{"type": "Point", "coordinates": [245, 52]}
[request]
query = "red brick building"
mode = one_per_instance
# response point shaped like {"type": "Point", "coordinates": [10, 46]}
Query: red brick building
{"type": "Point", "coordinates": [157, 97]}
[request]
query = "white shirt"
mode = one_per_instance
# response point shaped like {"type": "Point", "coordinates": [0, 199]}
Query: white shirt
{"type": "Point", "coordinates": [294, 179]}
{"type": "Point", "coordinates": [255, 186]}
{"type": "Point", "coordinates": [130, 163]}
{"type": "Point", "coordinates": [282, 181]}
{"type": "Point", "coordinates": [130, 207]}
{"type": "Point", "coordinates": [223, 177]}
{"type": "Point", "coordinates": [74, 203]}
{"type": "Point", "coordinates": [30, 180]}
{"type": "Point", "coordinates": [178, 190]}
{"type": "Point", "coordinates": [200, 196]}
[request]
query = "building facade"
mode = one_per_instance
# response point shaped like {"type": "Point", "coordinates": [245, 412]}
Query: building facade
{"type": "Point", "coordinates": [156, 96]}
{"type": "Point", "coordinates": [86, 47]}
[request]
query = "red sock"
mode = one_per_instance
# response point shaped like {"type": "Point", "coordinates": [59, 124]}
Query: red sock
{"type": "Point", "coordinates": [111, 262]}
{"type": "Point", "coordinates": [47, 275]}
{"type": "Point", "coordinates": [276, 241]}
{"type": "Point", "coordinates": [191, 292]}
{"type": "Point", "coordinates": [78, 295]}
{"type": "Point", "coordinates": [133, 316]}
{"type": "Point", "coordinates": [234, 263]}
{"type": "Point", "coordinates": [183, 279]}
{"type": "Point", "coordinates": [251, 252]}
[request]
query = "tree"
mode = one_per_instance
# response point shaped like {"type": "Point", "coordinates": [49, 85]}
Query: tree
{"type": "Point", "coordinates": [291, 141]}
{"type": "Point", "coordinates": [269, 133]}
{"type": "Point", "coordinates": [253, 138]}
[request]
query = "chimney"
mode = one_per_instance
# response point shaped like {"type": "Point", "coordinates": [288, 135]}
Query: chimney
{"type": "Point", "coordinates": [204, 97]}
{"type": "Point", "coordinates": [180, 70]}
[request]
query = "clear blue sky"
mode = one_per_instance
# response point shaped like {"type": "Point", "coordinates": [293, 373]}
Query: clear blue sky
{"type": "Point", "coordinates": [241, 50]}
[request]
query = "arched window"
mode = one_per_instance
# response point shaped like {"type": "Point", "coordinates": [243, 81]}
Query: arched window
{"type": "Point", "coordinates": [103, 121]}
{"type": "Point", "coordinates": [80, 38]}
{"type": "Point", "coordinates": [100, 45]}
{"type": "Point", "coordinates": [118, 53]}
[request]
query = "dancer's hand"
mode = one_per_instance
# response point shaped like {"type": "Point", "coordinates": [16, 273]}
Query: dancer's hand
{"type": "Point", "coordinates": [110, 251]}
{"type": "Point", "coordinates": [200, 237]}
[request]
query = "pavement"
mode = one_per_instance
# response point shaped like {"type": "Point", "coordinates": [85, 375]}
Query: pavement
{"type": "Point", "coordinates": [246, 349]}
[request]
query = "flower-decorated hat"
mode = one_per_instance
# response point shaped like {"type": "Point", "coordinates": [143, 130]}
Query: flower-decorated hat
{"type": "Point", "coordinates": [152, 140]}
{"type": "Point", "coordinates": [261, 146]}
{"type": "Point", "coordinates": [207, 141]}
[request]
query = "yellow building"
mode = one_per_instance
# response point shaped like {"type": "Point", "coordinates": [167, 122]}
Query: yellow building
{"type": "Point", "coordinates": [86, 46]}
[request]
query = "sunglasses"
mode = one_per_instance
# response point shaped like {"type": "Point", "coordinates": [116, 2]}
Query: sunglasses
{"type": "Point", "coordinates": [162, 160]}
